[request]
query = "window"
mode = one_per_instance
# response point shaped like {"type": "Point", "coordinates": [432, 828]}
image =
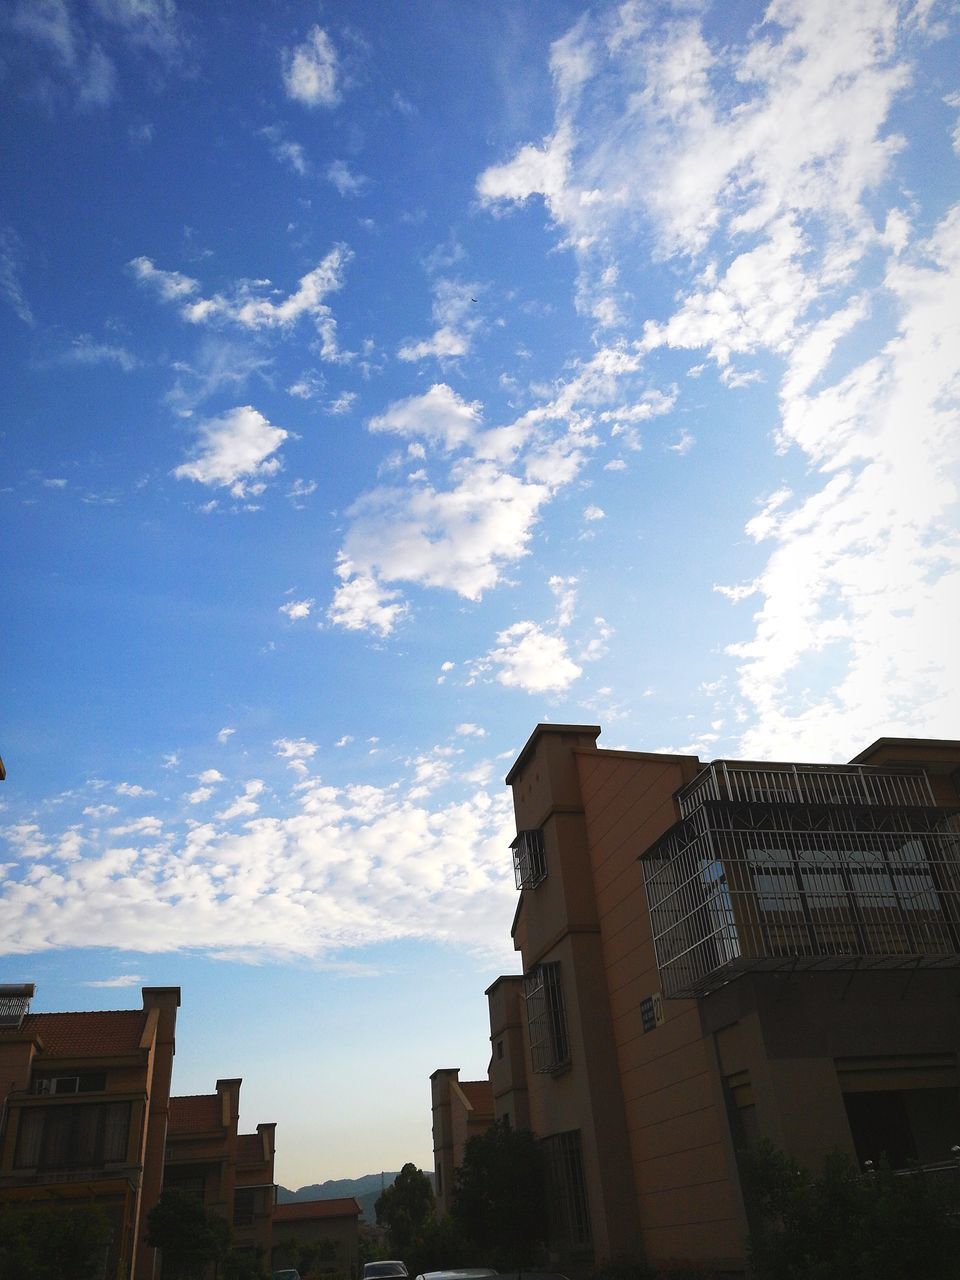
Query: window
{"type": "Point", "coordinates": [567, 1190]}
{"type": "Point", "coordinates": [499, 1048]}
{"type": "Point", "coordinates": [529, 860]}
{"type": "Point", "coordinates": [546, 1018]}
{"type": "Point", "coordinates": [86, 1082]}
{"type": "Point", "coordinates": [72, 1137]}
{"type": "Point", "coordinates": [244, 1206]}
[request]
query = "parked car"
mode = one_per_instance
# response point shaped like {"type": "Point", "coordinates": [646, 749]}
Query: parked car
{"type": "Point", "coordinates": [463, 1273]}
{"type": "Point", "coordinates": [288, 1273]}
{"type": "Point", "coordinates": [385, 1270]}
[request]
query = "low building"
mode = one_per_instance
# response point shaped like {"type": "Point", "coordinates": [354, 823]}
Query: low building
{"type": "Point", "coordinates": [716, 951]}
{"type": "Point", "coordinates": [462, 1109]}
{"type": "Point", "coordinates": [332, 1226]}
{"type": "Point", "coordinates": [84, 1113]}
{"type": "Point", "coordinates": [230, 1172]}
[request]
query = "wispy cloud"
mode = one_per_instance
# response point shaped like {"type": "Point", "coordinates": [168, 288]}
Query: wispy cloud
{"type": "Point", "coordinates": [11, 265]}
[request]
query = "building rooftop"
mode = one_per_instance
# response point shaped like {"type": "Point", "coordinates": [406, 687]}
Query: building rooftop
{"type": "Point", "coordinates": [301, 1210]}
{"type": "Point", "coordinates": [96, 1034]}
{"type": "Point", "coordinates": [195, 1113]}
{"type": "Point", "coordinates": [479, 1093]}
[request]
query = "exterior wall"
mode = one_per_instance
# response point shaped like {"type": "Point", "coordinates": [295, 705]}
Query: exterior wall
{"type": "Point", "coordinates": [255, 1170]}
{"type": "Point", "coordinates": [508, 1067]}
{"type": "Point", "coordinates": [664, 1091]}
{"type": "Point", "coordinates": [342, 1232]}
{"type": "Point", "coordinates": [455, 1120]}
{"type": "Point", "coordinates": [137, 1072]}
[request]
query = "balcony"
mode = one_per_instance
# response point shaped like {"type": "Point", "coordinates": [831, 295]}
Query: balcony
{"type": "Point", "coordinates": [802, 867]}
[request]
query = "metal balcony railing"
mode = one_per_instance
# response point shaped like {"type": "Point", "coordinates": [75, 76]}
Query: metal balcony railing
{"type": "Point", "coordinates": [724, 899]}
{"type": "Point", "coordinates": [806, 784]}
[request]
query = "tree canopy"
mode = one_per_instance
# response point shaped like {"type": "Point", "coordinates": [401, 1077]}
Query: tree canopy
{"type": "Point", "coordinates": [52, 1244]}
{"type": "Point", "coordinates": [405, 1208]}
{"type": "Point", "coordinates": [188, 1235]}
{"type": "Point", "coordinates": [499, 1200]}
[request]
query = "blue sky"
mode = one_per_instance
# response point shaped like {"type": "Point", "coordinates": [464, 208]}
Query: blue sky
{"type": "Point", "coordinates": [382, 379]}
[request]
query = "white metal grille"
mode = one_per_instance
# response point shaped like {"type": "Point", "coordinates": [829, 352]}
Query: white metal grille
{"type": "Point", "coordinates": [546, 1018]}
{"type": "Point", "coordinates": [820, 887]}
{"type": "Point", "coordinates": [529, 859]}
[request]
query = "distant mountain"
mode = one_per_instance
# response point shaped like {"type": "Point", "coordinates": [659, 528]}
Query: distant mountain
{"type": "Point", "coordinates": [366, 1189]}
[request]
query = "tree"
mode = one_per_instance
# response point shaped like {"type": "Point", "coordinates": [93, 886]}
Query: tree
{"type": "Point", "coordinates": [52, 1244]}
{"type": "Point", "coordinates": [405, 1208]}
{"type": "Point", "coordinates": [841, 1224]}
{"type": "Point", "coordinates": [499, 1196]}
{"type": "Point", "coordinates": [187, 1234]}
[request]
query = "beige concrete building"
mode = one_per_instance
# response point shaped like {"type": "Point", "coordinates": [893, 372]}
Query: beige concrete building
{"type": "Point", "coordinates": [84, 1113]}
{"type": "Point", "coordinates": [462, 1109]}
{"type": "Point", "coordinates": [716, 951]}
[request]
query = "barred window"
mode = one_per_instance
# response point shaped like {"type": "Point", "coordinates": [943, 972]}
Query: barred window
{"type": "Point", "coordinates": [546, 1018]}
{"type": "Point", "coordinates": [569, 1212]}
{"type": "Point", "coordinates": [529, 861]}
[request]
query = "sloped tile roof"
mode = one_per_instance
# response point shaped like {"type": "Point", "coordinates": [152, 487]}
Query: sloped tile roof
{"type": "Point", "coordinates": [195, 1113]}
{"type": "Point", "coordinates": [479, 1093]}
{"type": "Point", "coordinates": [299, 1210]}
{"type": "Point", "coordinates": [101, 1033]}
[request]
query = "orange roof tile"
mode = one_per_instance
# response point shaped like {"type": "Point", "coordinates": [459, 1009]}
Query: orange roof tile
{"type": "Point", "coordinates": [479, 1093]}
{"type": "Point", "coordinates": [298, 1210]}
{"type": "Point", "coordinates": [195, 1113]}
{"type": "Point", "coordinates": [101, 1033]}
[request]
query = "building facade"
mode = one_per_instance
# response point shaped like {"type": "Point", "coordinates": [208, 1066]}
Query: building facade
{"type": "Point", "coordinates": [84, 1114]}
{"type": "Point", "coordinates": [714, 952]}
{"type": "Point", "coordinates": [461, 1109]}
{"type": "Point", "coordinates": [230, 1172]}
{"type": "Point", "coordinates": [333, 1226]}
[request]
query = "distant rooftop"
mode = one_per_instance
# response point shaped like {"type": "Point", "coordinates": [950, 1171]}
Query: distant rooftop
{"type": "Point", "coordinates": [195, 1113]}
{"type": "Point", "coordinates": [301, 1210]}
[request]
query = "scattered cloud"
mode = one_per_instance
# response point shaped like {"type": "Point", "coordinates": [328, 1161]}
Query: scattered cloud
{"type": "Point", "coordinates": [122, 980]}
{"type": "Point", "coordinates": [235, 450]}
{"type": "Point", "coordinates": [11, 265]}
{"type": "Point", "coordinates": [132, 789]}
{"type": "Point", "coordinates": [346, 181]}
{"type": "Point", "coordinates": [310, 71]}
{"type": "Point", "coordinates": [295, 609]}
{"type": "Point", "coordinates": [224, 734]}
{"type": "Point", "coordinates": [593, 513]}
{"type": "Point", "coordinates": [470, 731]}
{"type": "Point", "coordinates": [85, 350]}
{"type": "Point", "coordinates": [529, 658]}
{"type": "Point", "coordinates": [457, 318]}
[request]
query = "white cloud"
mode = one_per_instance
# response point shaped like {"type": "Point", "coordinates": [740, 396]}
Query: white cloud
{"type": "Point", "coordinates": [295, 609]}
{"type": "Point", "coordinates": [593, 512]}
{"type": "Point", "coordinates": [344, 741]}
{"type": "Point", "coordinates": [310, 71]}
{"type": "Point", "coordinates": [132, 789]}
{"type": "Point", "coordinates": [147, 826]}
{"type": "Point", "coordinates": [11, 288]}
{"type": "Point", "coordinates": [596, 647]}
{"type": "Point", "coordinates": [122, 980]}
{"type": "Point", "coordinates": [360, 603]}
{"type": "Point", "coordinates": [684, 444]}
{"type": "Point", "coordinates": [864, 570]}
{"type": "Point", "coordinates": [85, 350]}
{"type": "Point", "coordinates": [531, 659]}
{"type": "Point", "coordinates": [224, 734]}
{"type": "Point", "coordinates": [172, 286]}
{"type": "Point", "coordinates": [439, 416]}
{"type": "Point", "coordinates": [457, 319]}
{"type": "Point", "coordinates": [244, 805]}
{"type": "Point", "coordinates": [470, 730]}
{"type": "Point", "coordinates": [565, 593]}
{"type": "Point", "coordinates": [346, 181]}
{"type": "Point", "coordinates": [344, 867]}
{"type": "Point", "coordinates": [235, 450]}
{"type": "Point", "coordinates": [210, 776]}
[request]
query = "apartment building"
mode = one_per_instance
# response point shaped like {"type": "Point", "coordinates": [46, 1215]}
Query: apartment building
{"type": "Point", "coordinates": [715, 951]}
{"type": "Point", "coordinates": [230, 1172]}
{"type": "Point", "coordinates": [84, 1113]}
{"type": "Point", "coordinates": [462, 1109]}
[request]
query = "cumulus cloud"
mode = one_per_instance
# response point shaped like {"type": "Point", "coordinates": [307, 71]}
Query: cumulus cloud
{"type": "Point", "coordinates": [529, 658]}
{"type": "Point", "coordinates": [235, 450]}
{"type": "Point", "coordinates": [295, 609]}
{"type": "Point", "coordinates": [310, 70]}
{"type": "Point", "coordinates": [439, 416]}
